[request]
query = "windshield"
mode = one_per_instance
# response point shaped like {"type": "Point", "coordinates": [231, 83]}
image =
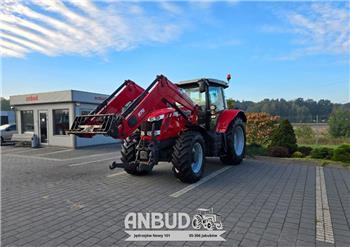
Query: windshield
{"type": "Point", "coordinates": [3, 127]}
{"type": "Point", "coordinates": [197, 97]}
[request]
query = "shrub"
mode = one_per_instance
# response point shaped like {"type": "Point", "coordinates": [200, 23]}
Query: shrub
{"type": "Point", "coordinates": [297, 154]}
{"type": "Point", "coordinates": [278, 151]}
{"type": "Point", "coordinates": [342, 153]}
{"type": "Point", "coordinates": [255, 149]}
{"type": "Point", "coordinates": [284, 136]}
{"type": "Point", "coordinates": [304, 150]}
{"type": "Point", "coordinates": [260, 127]}
{"type": "Point", "coordinates": [322, 153]}
{"type": "Point", "coordinates": [339, 123]}
{"type": "Point", "coordinates": [305, 134]}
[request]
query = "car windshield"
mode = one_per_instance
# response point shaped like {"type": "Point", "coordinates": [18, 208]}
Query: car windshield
{"type": "Point", "coordinates": [5, 126]}
{"type": "Point", "coordinates": [197, 97]}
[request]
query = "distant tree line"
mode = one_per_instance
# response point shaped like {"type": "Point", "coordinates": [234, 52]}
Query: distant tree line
{"type": "Point", "coordinates": [5, 104]}
{"type": "Point", "coordinates": [296, 111]}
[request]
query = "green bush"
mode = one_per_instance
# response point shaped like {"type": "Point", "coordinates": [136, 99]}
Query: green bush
{"type": "Point", "coordinates": [305, 134]}
{"type": "Point", "coordinates": [256, 149]}
{"type": "Point", "coordinates": [322, 153]}
{"type": "Point", "coordinates": [279, 152]}
{"type": "Point", "coordinates": [284, 136]}
{"type": "Point", "coordinates": [339, 123]}
{"type": "Point", "coordinates": [342, 153]}
{"type": "Point", "coordinates": [297, 154]}
{"type": "Point", "coordinates": [304, 150]}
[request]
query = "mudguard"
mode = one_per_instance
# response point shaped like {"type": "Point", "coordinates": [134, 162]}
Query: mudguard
{"type": "Point", "coordinates": [226, 117]}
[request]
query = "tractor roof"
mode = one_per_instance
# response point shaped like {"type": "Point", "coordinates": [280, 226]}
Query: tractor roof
{"type": "Point", "coordinates": [209, 80]}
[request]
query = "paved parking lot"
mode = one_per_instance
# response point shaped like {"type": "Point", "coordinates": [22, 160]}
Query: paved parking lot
{"type": "Point", "coordinates": [60, 197]}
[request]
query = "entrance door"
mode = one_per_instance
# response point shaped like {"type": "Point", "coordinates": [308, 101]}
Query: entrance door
{"type": "Point", "coordinates": [43, 126]}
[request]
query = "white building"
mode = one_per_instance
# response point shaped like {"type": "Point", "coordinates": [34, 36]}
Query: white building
{"type": "Point", "coordinates": [49, 115]}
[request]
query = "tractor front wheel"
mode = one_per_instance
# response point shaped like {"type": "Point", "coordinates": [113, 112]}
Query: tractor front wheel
{"type": "Point", "coordinates": [188, 157]}
{"type": "Point", "coordinates": [236, 143]}
{"type": "Point", "coordinates": [128, 152]}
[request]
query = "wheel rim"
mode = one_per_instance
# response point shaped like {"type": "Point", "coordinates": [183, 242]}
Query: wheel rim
{"type": "Point", "coordinates": [197, 153]}
{"type": "Point", "coordinates": [238, 140]}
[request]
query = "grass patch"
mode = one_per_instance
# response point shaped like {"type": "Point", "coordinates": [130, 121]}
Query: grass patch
{"type": "Point", "coordinates": [313, 146]}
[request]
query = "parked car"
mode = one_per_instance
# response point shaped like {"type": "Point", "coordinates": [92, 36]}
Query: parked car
{"type": "Point", "coordinates": [7, 130]}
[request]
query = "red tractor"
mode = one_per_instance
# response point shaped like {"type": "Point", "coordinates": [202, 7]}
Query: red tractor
{"type": "Point", "coordinates": [181, 124]}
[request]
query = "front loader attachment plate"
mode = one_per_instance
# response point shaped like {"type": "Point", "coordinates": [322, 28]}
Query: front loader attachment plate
{"type": "Point", "coordinates": [89, 125]}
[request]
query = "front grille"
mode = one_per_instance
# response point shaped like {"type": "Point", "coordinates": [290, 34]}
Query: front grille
{"type": "Point", "coordinates": [147, 126]}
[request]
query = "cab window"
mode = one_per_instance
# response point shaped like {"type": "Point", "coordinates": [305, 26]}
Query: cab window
{"type": "Point", "coordinates": [197, 97]}
{"type": "Point", "coordinates": [216, 98]}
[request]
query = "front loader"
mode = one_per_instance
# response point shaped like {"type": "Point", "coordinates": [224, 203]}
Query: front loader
{"type": "Point", "coordinates": [181, 124]}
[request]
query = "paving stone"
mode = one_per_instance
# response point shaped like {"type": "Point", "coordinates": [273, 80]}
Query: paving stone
{"type": "Point", "coordinates": [265, 203]}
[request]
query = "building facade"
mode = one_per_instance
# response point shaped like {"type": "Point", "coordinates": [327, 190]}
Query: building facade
{"type": "Point", "coordinates": [49, 116]}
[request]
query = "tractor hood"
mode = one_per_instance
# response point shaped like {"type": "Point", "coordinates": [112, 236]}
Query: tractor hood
{"type": "Point", "coordinates": [159, 114]}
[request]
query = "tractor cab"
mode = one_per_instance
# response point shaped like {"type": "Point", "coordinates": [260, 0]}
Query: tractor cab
{"type": "Point", "coordinates": [208, 94]}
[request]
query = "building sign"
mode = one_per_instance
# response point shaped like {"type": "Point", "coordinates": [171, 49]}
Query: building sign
{"type": "Point", "coordinates": [32, 98]}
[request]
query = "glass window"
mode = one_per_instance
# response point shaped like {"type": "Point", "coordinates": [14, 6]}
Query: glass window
{"type": "Point", "coordinates": [60, 121]}
{"type": "Point", "coordinates": [27, 121]}
{"type": "Point", "coordinates": [197, 97]}
{"type": "Point", "coordinates": [216, 98]}
{"type": "Point", "coordinates": [85, 111]}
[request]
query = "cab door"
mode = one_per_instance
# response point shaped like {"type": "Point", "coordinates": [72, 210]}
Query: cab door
{"type": "Point", "coordinates": [216, 104]}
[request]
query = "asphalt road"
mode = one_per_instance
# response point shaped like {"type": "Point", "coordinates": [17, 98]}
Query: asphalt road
{"type": "Point", "coordinates": [61, 197]}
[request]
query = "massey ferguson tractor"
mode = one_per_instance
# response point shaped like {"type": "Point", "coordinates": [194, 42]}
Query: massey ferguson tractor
{"type": "Point", "coordinates": [181, 124]}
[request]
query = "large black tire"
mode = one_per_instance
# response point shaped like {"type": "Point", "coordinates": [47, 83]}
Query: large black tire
{"type": "Point", "coordinates": [188, 157]}
{"type": "Point", "coordinates": [128, 152]}
{"type": "Point", "coordinates": [235, 151]}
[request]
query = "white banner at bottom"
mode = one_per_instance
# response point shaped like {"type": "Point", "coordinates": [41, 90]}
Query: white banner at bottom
{"type": "Point", "coordinates": [175, 236]}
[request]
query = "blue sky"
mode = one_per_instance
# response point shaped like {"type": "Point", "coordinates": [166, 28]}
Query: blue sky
{"type": "Point", "coordinates": [272, 49]}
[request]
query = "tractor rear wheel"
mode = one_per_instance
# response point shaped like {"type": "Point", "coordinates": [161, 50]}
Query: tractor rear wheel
{"type": "Point", "coordinates": [188, 157]}
{"type": "Point", "coordinates": [128, 152]}
{"type": "Point", "coordinates": [236, 143]}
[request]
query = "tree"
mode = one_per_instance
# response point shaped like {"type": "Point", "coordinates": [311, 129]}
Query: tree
{"type": "Point", "coordinates": [284, 136]}
{"type": "Point", "coordinates": [339, 123]}
{"type": "Point", "coordinates": [296, 111]}
{"type": "Point", "coordinates": [230, 103]}
{"type": "Point", "coordinates": [5, 104]}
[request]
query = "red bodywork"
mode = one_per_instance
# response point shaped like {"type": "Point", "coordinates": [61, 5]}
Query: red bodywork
{"type": "Point", "coordinates": [158, 97]}
{"type": "Point", "coordinates": [131, 105]}
{"type": "Point", "coordinates": [161, 95]}
{"type": "Point", "coordinates": [129, 92]}
{"type": "Point", "coordinates": [226, 118]}
{"type": "Point", "coordinates": [172, 124]}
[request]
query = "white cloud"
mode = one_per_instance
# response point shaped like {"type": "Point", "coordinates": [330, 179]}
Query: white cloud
{"type": "Point", "coordinates": [170, 7]}
{"type": "Point", "coordinates": [56, 27]}
{"type": "Point", "coordinates": [320, 28]}
{"type": "Point", "coordinates": [325, 30]}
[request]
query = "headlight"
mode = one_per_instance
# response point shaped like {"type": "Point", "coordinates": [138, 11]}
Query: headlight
{"type": "Point", "coordinates": [157, 118]}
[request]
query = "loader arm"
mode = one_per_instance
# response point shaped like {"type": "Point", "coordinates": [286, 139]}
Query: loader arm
{"type": "Point", "coordinates": [160, 94]}
{"type": "Point", "coordinates": [99, 120]}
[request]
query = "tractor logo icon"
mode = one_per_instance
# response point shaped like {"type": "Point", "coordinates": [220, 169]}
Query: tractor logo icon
{"type": "Point", "coordinates": [207, 219]}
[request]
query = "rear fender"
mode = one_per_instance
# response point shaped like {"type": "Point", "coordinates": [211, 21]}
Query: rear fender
{"type": "Point", "coordinates": [226, 117]}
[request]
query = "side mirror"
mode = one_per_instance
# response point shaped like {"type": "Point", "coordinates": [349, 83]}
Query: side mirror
{"type": "Point", "coordinates": [202, 86]}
